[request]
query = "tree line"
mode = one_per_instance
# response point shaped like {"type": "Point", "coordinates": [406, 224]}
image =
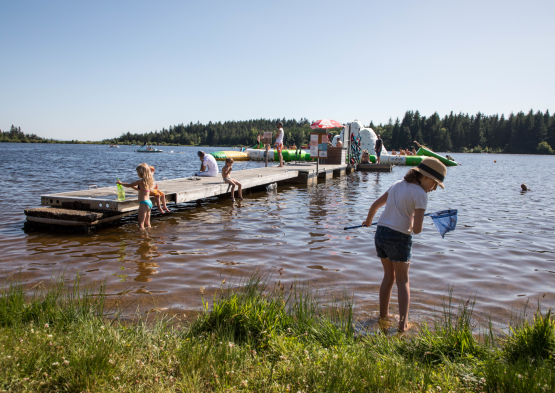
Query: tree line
{"type": "Point", "coordinates": [15, 135]}
{"type": "Point", "coordinates": [531, 133]}
{"type": "Point", "coordinates": [229, 133]}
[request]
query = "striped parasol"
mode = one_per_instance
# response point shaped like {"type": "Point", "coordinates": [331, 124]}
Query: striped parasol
{"type": "Point", "coordinates": [326, 123]}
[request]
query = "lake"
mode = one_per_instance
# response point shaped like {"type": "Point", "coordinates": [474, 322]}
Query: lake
{"type": "Point", "coordinates": [502, 251]}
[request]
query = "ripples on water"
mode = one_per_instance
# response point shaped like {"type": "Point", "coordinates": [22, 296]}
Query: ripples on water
{"type": "Point", "coordinates": [502, 251]}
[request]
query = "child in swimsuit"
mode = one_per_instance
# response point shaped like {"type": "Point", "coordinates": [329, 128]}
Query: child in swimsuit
{"type": "Point", "coordinates": [144, 184]}
{"type": "Point", "coordinates": [159, 195]}
{"type": "Point", "coordinates": [226, 171]}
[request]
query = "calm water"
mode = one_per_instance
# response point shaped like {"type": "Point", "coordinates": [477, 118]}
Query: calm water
{"type": "Point", "coordinates": [502, 251]}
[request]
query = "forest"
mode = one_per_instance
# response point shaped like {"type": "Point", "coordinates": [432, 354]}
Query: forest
{"type": "Point", "coordinates": [531, 133]}
{"type": "Point", "coordinates": [15, 135]}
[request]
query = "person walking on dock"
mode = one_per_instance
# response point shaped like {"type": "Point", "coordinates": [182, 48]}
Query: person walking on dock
{"type": "Point", "coordinates": [378, 148]}
{"type": "Point", "coordinates": [279, 142]}
{"type": "Point", "coordinates": [209, 166]}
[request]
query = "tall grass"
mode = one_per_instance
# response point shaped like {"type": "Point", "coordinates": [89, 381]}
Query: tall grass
{"type": "Point", "coordinates": [257, 337]}
{"type": "Point", "coordinates": [60, 303]}
{"type": "Point", "coordinates": [251, 312]}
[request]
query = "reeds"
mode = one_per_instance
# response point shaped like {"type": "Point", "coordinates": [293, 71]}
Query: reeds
{"type": "Point", "coordinates": [258, 337]}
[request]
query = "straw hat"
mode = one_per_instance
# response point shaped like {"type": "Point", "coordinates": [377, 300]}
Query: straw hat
{"type": "Point", "coordinates": [433, 168]}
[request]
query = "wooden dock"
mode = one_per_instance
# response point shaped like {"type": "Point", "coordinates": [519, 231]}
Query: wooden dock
{"type": "Point", "coordinates": [95, 207]}
{"type": "Point", "coordinates": [374, 168]}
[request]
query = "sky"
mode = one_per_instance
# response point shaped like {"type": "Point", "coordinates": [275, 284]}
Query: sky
{"type": "Point", "coordinates": [94, 70]}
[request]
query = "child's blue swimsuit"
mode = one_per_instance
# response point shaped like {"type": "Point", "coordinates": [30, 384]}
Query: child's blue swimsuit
{"type": "Point", "coordinates": [147, 202]}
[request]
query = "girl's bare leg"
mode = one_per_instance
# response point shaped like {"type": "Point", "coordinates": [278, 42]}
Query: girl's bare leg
{"type": "Point", "coordinates": [142, 215]}
{"type": "Point", "coordinates": [386, 287]}
{"type": "Point", "coordinates": [158, 204]}
{"type": "Point", "coordinates": [232, 190]}
{"type": "Point", "coordinates": [147, 218]}
{"type": "Point", "coordinates": [240, 189]}
{"type": "Point", "coordinates": [163, 197]}
{"type": "Point", "coordinates": [403, 288]}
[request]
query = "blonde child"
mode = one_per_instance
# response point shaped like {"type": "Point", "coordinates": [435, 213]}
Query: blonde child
{"type": "Point", "coordinates": [226, 171]}
{"type": "Point", "coordinates": [365, 159]}
{"type": "Point", "coordinates": [143, 185]}
{"type": "Point", "coordinates": [405, 204]}
{"type": "Point", "coordinates": [159, 195]}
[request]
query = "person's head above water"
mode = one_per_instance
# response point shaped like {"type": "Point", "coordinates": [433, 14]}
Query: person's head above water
{"type": "Point", "coordinates": [524, 187]}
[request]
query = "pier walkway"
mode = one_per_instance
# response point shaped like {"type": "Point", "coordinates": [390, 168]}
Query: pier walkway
{"type": "Point", "coordinates": [95, 206]}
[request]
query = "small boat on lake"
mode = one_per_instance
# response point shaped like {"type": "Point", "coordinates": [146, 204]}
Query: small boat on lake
{"type": "Point", "coordinates": [148, 149]}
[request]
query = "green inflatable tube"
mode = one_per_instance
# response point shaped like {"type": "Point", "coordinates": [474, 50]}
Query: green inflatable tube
{"type": "Point", "coordinates": [425, 152]}
{"type": "Point", "coordinates": [219, 155]}
{"type": "Point", "coordinates": [413, 160]}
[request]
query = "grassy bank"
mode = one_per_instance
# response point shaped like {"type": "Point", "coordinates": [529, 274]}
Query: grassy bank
{"type": "Point", "coordinates": [256, 338]}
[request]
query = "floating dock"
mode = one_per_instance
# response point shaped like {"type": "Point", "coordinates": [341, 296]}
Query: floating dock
{"type": "Point", "coordinates": [374, 167]}
{"type": "Point", "coordinates": [87, 210]}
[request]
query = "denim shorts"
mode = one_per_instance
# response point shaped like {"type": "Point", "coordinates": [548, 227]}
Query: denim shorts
{"type": "Point", "coordinates": [392, 244]}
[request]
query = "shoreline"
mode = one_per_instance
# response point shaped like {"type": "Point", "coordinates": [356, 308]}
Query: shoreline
{"type": "Point", "coordinates": [256, 335]}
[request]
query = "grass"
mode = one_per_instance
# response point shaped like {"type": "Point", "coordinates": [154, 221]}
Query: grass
{"type": "Point", "coordinates": [257, 338]}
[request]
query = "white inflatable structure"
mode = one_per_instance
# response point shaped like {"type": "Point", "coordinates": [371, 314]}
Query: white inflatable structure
{"type": "Point", "coordinates": [368, 137]}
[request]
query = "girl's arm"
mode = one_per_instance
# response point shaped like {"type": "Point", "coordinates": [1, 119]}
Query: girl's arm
{"type": "Point", "coordinates": [130, 185]}
{"type": "Point", "coordinates": [418, 220]}
{"type": "Point", "coordinates": [374, 209]}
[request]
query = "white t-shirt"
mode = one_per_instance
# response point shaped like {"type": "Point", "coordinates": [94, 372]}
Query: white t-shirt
{"type": "Point", "coordinates": [279, 139]}
{"type": "Point", "coordinates": [210, 164]}
{"type": "Point", "coordinates": [402, 199]}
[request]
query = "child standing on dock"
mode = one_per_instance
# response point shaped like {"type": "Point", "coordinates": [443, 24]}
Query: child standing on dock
{"type": "Point", "coordinates": [159, 195]}
{"type": "Point", "coordinates": [405, 204]}
{"type": "Point", "coordinates": [226, 174]}
{"type": "Point", "coordinates": [144, 185]}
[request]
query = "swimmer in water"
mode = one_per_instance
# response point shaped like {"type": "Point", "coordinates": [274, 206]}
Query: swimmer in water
{"type": "Point", "coordinates": [524, 187]}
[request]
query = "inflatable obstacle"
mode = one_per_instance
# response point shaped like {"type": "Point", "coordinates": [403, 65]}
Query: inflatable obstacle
{"type": "Point", "coordinates": [425, 152]}
{"type": "Point", "coordinates": [288, 155]}
{"type": "Point", "coordinates": [236, 155]}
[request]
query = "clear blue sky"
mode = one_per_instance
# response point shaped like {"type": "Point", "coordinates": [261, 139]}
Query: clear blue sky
{"type": "Point", "coordinates": [93, 70]}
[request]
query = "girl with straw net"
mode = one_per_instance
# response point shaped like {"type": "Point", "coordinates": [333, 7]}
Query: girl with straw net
{"type": "Point", "coordinates": [405, 204]}
{"type": "Point", "coordinates": [143, 185]}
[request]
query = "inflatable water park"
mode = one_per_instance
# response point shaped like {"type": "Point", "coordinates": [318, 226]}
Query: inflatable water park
{"type": "Point", "coordinates": [361, 138]}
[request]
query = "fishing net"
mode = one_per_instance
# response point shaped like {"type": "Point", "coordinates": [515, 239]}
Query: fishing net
{"type": "Point", "coordinates": [445, 221]}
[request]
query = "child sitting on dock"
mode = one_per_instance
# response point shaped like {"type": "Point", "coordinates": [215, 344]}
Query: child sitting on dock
{"type": "Point", "coordinates": [160, 196]}
{"type": "Point", "coordinates": [365, 159]}
{"type": "Point", "coordinates": [226, 174]}
{"type": "Point", "coordinates": [143, 185]}
{"type": "Point", "coordinates": [405, 204]}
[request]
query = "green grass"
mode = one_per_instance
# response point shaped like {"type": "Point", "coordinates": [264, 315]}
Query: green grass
{"type": "Point", "coordinates": [257, 337]}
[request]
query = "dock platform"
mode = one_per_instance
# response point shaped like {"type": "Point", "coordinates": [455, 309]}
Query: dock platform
{"type": "Point", "coordinates": [374, 168]}
{"type": "Point", "coordinates": [95, 207]}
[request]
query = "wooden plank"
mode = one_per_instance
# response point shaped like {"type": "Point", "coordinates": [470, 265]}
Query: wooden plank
{"type": "Point", "coordinates": [55, 221]}
{"type": "Point", "coordinates": [374, 168]}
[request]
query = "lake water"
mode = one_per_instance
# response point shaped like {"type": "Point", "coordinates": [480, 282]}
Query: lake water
{"type": "Point", "coordinates": [502, 251]}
